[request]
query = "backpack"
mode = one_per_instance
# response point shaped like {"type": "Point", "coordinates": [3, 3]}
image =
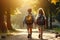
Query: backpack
{"type": "Point", "coordinates": [29, 19]}
{"type": "Point", "coordinates": [41, 20]}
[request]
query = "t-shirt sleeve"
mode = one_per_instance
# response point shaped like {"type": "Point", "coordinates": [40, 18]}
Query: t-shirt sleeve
{"type": "Point", "coordinates": [24, 18]}
{"type": "Point", "coordinates": [36, 17]}
{"type": "Point", "coordinates": [44, 17]}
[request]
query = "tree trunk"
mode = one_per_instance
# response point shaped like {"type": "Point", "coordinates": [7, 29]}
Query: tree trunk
{"type": "Point", "coordinates": [8, 20]}
{"type": "Point", "coordinates": [3, 27]}
{"type": "Point", "coordinates": [50, 19]}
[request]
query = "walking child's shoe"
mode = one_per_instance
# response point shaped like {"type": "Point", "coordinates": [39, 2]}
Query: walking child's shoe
{"type": "Point", "coordinates": [40, 37]}
{"type": "Point", "coordinates": [29, 36]}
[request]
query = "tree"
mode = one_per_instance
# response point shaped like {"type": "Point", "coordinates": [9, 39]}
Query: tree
{"type": "Point", "coordinates": [58, 11]}
{"type": "Point", "coordinates": [5, 5]}
{"type": "Point", "coordinates": [45, 5]}
{"type": "Point", "coordinates": [3, 27]}
{"type": "Point", "coordinates": [11, 5]}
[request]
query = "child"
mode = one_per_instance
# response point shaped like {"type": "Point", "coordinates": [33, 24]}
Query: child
{"type": "Point", "coordinates": [29, 20]}
{"type": "Point", "coordinates": [40, 21]}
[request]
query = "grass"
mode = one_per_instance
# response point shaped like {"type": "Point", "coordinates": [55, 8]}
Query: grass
{"type": "Point", "coordinates": [57, 29]}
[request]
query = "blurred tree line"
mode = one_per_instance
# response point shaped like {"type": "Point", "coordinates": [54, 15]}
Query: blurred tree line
{"type": "Point", "coordinates": [58, 11]}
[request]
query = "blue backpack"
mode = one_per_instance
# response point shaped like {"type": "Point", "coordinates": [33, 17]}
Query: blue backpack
{"type": "Point", "coordinates": [41, 20]}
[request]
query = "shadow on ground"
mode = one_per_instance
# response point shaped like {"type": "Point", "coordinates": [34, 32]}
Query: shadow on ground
{"type": "Point", "coordinates": [18, 37]}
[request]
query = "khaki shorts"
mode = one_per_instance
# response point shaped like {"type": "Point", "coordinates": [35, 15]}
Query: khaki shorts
{"type": "Point", "coordinates": [30, 26]}
{"type": "Point", "coordinates": [41, 26]}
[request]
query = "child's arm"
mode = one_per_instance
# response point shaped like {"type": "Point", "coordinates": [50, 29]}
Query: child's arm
{"type": "Point", "coordinates": [23, 21]}
{"type": "Point", "coordinates": [45, 21]}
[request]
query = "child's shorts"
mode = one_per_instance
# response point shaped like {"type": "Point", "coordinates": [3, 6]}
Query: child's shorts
{"type": "Point", "coordinates": [30, 26]}
{"type": "Point", "coordinates": [41, 26]}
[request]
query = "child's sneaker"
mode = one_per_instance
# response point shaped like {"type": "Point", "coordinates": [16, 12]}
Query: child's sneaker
{"type": "Point", "coordinates": [39, 36]}
{"type": "Point", "coordinates": [29, 35]}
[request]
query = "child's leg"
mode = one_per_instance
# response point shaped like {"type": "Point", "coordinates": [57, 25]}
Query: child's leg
{"type": "Point", "coordinates": [40, 31]}
{"type": "Point", "coordinates": [29, 31]}
{"type": "Point", "coordinates": [42, 28]}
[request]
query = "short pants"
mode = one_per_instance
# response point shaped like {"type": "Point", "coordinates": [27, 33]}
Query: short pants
{"type": "Point", "coordinates": [30, 26]}
{"type": "Point", "coordinates": [40, 26]}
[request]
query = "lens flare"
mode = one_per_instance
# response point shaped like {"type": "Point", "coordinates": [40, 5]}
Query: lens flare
{"type": "Point", "coordinates": [54, 1]}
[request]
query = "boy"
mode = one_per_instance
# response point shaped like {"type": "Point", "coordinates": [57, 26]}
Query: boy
{"type": "Point", "coordinates": [29, 20]}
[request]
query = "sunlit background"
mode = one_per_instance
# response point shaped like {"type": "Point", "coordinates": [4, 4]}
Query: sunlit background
{"type": "Point", "coordinates": [54, 1]}
{"type": "Point", "coordinates": [12, 13]}
{"type": "Point", "coordinates": [21, 7]}
{"type": "Point", "coordinates": [21, 12]}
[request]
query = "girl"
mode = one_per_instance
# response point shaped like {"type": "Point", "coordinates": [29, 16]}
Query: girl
{"type": "Point", "coordinates": [40, 21]}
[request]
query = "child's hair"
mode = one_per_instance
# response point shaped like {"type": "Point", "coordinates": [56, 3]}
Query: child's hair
{"type": "Point", "coordinates": [29, 10]}
{"type": "Point", "coordinates": [41, 11]}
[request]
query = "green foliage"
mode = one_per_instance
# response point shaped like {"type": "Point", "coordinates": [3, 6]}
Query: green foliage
{"type": "Point", "coordinates": [57, 29]}
{"type": "Point", "coordinates": [58, 16]}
